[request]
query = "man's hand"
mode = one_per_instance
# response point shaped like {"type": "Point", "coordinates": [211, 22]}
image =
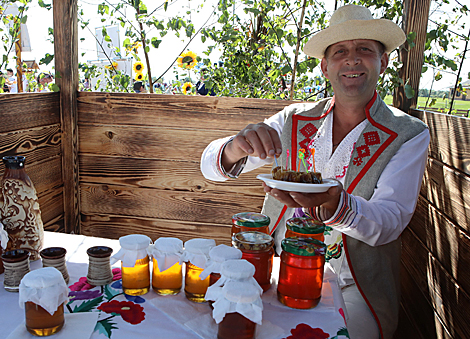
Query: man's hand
{"type": "Point", "coordinates": [257, 140]}
{"type": "Point", "coordinates": [329, 199]}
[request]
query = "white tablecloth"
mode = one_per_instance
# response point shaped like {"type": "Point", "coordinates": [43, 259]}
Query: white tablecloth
{"type": "Point", "coordinates": [154, 316]}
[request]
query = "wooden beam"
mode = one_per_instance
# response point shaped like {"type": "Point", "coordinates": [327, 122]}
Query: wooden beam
{"type": "Point", "coordinates": [415, 19]}
{"type": "Point", "coordinates": [66, 66]}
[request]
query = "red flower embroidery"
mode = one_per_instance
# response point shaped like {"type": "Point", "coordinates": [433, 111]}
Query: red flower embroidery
{"type": "Point", "coordinates": [304, 331]}
{"type": "Point", "coordinates": [129, 311]}
{"type": "Point", "coordinates": [371, 138]}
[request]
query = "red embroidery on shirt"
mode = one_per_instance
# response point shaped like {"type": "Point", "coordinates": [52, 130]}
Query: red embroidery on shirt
{"type": "Point", "coordinates": [307, 131]}
{"type": "Point", "coordinates": [370, 138]}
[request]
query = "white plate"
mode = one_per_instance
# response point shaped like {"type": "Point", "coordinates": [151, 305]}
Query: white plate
{"type": "Point", "coordinates": [295, 186]}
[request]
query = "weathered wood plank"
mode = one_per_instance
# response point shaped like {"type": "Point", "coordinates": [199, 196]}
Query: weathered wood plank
{"type": "Point", "coordinates": [448, 189]}
{"type": "Point", "coordinates": [449, 301]}
{"type": "Point", "coordinates": [66, 65]}
{"type": "Point", "coordinates": [450, 139]}
{"type": "Point", "coordinates": [28, 110]}
{"type": "Point", "coordinates": [165, 204]}
{"type": "Point", "coordinates": [445, 241]}
{"type": "Point", "coordinates": [115, 226]}
{"type": "Point", "coordinates": [55, 225]}
{"type": "Point", "coordinates": [52, 206]}
{"type": "Point", "coordinates": [175, 110]}
{"type": "Point", "coordinates": [46, 175]}
{"type": "Point", "coordinates": [176, 175]}
{"type": "Point", "coordinates": [35, 144]}
{"type": "Point", "coordinates": [146, 142]}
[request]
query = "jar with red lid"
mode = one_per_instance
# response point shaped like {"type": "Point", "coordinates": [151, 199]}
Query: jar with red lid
{"type": "Point", "coordinates": [301, 272]}
{"type": "Point", "coordinates": [257, 248]}
{"type": "Point", "coordinates": [250, 221]}
{"type": "Point", "coordinates": [305, 227]}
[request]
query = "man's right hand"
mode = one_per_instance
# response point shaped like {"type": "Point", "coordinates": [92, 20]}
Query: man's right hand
{"type": "Point", "coordinates": [257, 140]}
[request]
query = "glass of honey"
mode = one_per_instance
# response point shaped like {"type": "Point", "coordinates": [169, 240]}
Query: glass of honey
{"type": "Point", "coordinates": [167, 276]}
{"type": "Point", "coordinates": [135, 268]}
{"type": "Point", "coordinates": [305, 227]}
{"type": "Point", "coordinates": [250, 221]}
{"type": "Point", "coordinates": [195, 255]}
{"type": "Point", "coordinates": [301, 272]}
{"type": "Point", "coordinates": [43, 293]}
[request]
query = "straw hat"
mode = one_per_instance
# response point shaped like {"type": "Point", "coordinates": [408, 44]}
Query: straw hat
{"type": "Point", "coordinates": [352, 22]}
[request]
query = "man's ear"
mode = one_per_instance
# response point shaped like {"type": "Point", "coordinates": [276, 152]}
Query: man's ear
{"type": "Point", "coordinates": [383, 62]}
{"type": "Point", "coordinates": [324, 67]}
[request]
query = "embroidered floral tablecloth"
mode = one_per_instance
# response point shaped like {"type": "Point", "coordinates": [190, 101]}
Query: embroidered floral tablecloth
{"type": "Point", "coordinates": [153, 316]}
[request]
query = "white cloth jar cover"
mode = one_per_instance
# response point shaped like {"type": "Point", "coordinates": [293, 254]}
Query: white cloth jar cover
{"type": "Point", "coordinates": [240, 297]}
{"type": "Point", "coordinates": [44, 287]}
{"type": "Point", "coordinates": [217, 256]}
{"type": "Point", "coordinates": [197, 251]}
{"type": "Point", "coordinates": [166, 251]}
{"type": "Point", "coordinates": [133, 248]}
{"type": "Point", "coordinates": [233, 270]}
{"type": "Point", "coordinates": [3, 237]}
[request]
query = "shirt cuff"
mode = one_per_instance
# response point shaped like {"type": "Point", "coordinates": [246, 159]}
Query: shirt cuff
{"type": "Point", "coordinates": [236, 169]}
{"type": "Point", "coordinates": [348, 209]}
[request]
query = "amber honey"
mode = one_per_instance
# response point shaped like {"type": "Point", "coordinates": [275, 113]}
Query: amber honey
{"type": "Point", "coordinates": [195, 288]}
{"type": "Point", "coordinates": [40, 323]}
{"type": "Point", "coordinates": [301, 272]}
{"type": "Point", "coordinates": [136, 280]}
{"type": "Point", "coordinates": [236, 326]}
{"type": "Point", "coordinates": [169, 281]}
{"type": "Point", "coordinates": [257, 248]}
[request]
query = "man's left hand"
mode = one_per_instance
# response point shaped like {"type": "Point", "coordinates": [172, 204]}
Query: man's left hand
{"type": "Point", "coordinates": [329, 199]}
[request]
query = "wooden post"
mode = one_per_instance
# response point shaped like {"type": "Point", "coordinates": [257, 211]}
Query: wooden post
{"type": "Point", "coordinates": [66, 67]}
{"type": "Point", "coordinates": [415, 19]}
{"type": "Point", "coordinates": [19, 63]}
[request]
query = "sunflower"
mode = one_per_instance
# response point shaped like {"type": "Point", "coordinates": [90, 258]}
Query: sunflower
{"type": "Point", "coordinates": [187, 87]}
{"type": "Point", "coordinates": [139, 76]}
{"type": "Point", "coordinates": [112, 66]}
{"type": "Point", "coordinates": [138, 67]}
{"type": "Point", "coordinates": [187, 60]}
{"type": "Point", "coordinates": [133, 46]}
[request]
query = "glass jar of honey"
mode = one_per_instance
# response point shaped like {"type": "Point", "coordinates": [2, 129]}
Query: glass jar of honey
{"type": "Point", "coordinates": [237, 310]}
{"type": "Point", "coordinates": [196, 255]}
{"type": "Point", "coordinates": [43, 293]}
{"type": "Point", "coordinates": [305, 227]}
{"type": "Point", "coordinates": [250, 221]}
{"type": "Point", "coordinates": [258, 249]}
{"type": "Point", "coordinates": [167, 276]}
{"type": "Point", "coordinates": [217, 256]}
{"type": "Point", "coordinates": [301, 272]}
{"type": "Point", "coordinates": [135, 268]}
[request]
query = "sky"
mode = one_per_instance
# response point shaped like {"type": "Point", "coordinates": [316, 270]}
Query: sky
{"type": "Point", "coordinates": [40, 19]}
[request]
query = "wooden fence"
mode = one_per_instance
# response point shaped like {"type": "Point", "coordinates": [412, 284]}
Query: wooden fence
{"type": "Point", "coordinates": [138, 159]}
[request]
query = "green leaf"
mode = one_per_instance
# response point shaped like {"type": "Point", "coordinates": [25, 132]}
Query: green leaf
{"type": "Point", "coordinates": [88, 305]}
{"type": "Point", "coordinates": [54, 87]}
{"type": "Point", "coordinates": [409, 91]}
{"type": "Point", "coordinates": [105, 327]}
{"type": "Point", "coordinates": [109, 294]}
{"type": "Point", "coordinates": [155, 42]}
{"type": "Point", "coordinates": [147, 49]}
{"type": "Point", "coordinates": [107, 38]}
{"type": "Point", "coordinates": [47, 59]}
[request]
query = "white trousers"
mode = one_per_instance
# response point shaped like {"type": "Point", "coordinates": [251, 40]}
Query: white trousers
{"type": "Point", "coordinates": [361, 323]}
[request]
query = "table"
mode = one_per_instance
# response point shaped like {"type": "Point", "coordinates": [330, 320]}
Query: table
{"type": "Point", "coordinates": [154, 316]}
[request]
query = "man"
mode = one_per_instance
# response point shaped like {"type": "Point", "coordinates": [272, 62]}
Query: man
{"type": "Point", "coordinates": [376, 152]}
{"type": "Point", "coordinates": [12, 82]}
{"type": "Point", "coordinates": [201, 86]}
{"type": "Point", "coordinates": [139, 87]}
{"type": "Point", "coordinates": [43, 81]}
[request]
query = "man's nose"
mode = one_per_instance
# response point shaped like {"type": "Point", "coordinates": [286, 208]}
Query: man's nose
{"type": "Point", "coordinates": [353, 58]}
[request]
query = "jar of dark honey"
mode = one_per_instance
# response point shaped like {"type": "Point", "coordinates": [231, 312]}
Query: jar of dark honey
{"type": "Point", "coordinates": [305, 227]}
{"type": "Point", "coordinates": [257, 248]}
{"type": "Point", "coordinates": [43, 293]}
{"type": "Point", "coordinates": [250, 221]}
{"type": "Point", "coordinates": [237, 311]}
{"type": "Point", "coordinates": [301, 272]}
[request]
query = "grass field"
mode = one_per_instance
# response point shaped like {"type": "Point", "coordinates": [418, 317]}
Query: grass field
{"type": "Point", "coordinates": [440, 103]}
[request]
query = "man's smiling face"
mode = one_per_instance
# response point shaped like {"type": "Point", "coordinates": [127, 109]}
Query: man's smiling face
{"type": "Point", "coordinates": [354, 66]}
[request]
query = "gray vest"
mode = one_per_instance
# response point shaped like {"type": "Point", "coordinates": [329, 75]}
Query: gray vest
{"type": "Point", "coordinates": [375, 269]}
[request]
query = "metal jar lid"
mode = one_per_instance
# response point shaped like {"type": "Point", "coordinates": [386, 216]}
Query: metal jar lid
{"type": "Point", "coordinates": [252, 241]}
{"type": "Point", "coordinates": [305, 225]}
{"type": "Point", "coordinates": [306, 247]}
{"type": "Point", "coordinates": [250, 219]}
